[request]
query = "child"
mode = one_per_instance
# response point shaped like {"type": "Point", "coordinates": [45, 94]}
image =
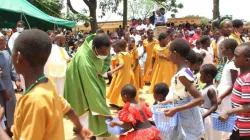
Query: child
{"type": "Point", "coordinates": [148, 45]}
{"type": "Point", "coordinates": [208, 56]}
{"type": "Point", "coordinates": [198, 46]}
{"type": "Point", "coordinates": [135, 62]}
{"type": "Point", "coordinates": [185, 95]}
{"type": "Point", "coordinates": [160, 92]}
{"type": "Point", "coordinates": [229, 74]}
{"type": "Point", "coordinates": [162, 69]}
{"type": "Point", "coordinates": [38, 113]}
{"type": "Point", "coordinates": [197, 74]}
{"type": "Point", "coordinates": [135, 115]}
{"type": "Point", "coordinates": [123, 75]}
{"type": "Point", "coordinates": [209, 93]}
{"type": "Point", "coordinates": [240, 95]}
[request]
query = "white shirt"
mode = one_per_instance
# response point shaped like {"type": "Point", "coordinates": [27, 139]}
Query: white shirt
{"type": "Point", "coordinates": [56, 64]}
{"type": "Point", "coordinates": [137, 38]}
{"type": "Point", "coordinates": [196, 50]}
{"type": "Point", "coordinates": [12, 40]}
{"type": "Point", "coordinates": [208, 59]}
{"type": "Point", "coordinates": [140, 27]}
{"type": "Point", "coordinates": [150, 26]}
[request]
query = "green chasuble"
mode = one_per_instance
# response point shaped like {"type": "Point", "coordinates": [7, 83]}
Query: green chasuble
{"type": "Point", "coordinates": [84, 90]}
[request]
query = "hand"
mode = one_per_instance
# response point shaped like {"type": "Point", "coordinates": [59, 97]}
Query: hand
{"type": "Point", "coordinates": [112, 124]}
{"type": "Point", "coordinates": [1, 113]}
{"type": "Point", "coordinates": [109, 117]}
{"type": "Point", "coordinates": [170, 112]}
{"type": "Point", "coordinates": [219, 100]}
{"type": "Point", "coordinates": [224, 116]}
{"type": "Point", "coordinates": [100, 75]}
{"type": "Point", "coordinates": [150, 72]}
{"type": "Point", "coordinates": [1, 73]}
{"type": "Point", "coordinates": [109, 73]}
{"type": "Point", "coordinates": [162, 56]}
{"type": "Point", "coordinates": [7, 95]}
{"type": "Point", "coordinates": [86, 134]}
{"type": "Point", "coordinates": [236, 32]}
{"type": "Point", "coordinates": [134, 70]}
{"type": "Point", "coordinates": [18, 86]}
{"type": "Point", "coordinates": [68, 60]}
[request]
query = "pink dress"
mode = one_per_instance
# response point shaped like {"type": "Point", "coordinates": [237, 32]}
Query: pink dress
{"type": "Point", "coordinates": [143, 130]}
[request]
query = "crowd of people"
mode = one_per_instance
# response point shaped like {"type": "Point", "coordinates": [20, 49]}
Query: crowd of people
{"type": "Point", "coordinates": [201, 72]}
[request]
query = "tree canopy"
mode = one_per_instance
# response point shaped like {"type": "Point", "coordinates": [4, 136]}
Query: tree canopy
{"type": "Point", "coordinates": [50, 7]}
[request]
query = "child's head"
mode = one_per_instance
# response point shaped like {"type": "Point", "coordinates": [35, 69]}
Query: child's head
{"type": "Point", "coordinates": [208, 73]}
{"type": "Point", "coordinates": [191, 59]}
{"type": "Point", "coordinates": [179, 49]}
{"type": "Point", "coordinates": [198, 63]}
{"type": "Point", "coordinates": [128, 93]}
{"type": "Point", "coordinates": [131, 43]}
{"type": "Point", "coordinates": [2, 42]}
{"type": "Point", "coordinates": [160, 92]}
{"type": "Point", "coordinates": [122, 44]}
{"type": "Point", "coordinates": [150, 33]}
{"type": "Point", "coordinates": [198, 44]}
{"type": "Point", "coordinates": [115, 47]}
{"type": "Point", "coordinates": [228, 46]}
{"type": "Point", "coordinates": [31, 50]}
{"type": "Point", "coordinates": [205, 41]}
{"type": "Point", "coordinates": [163, 39]}
{"type": "Point", "coordinates": [242, 56]}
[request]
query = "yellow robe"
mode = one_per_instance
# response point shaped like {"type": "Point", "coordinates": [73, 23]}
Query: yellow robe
{"type": "Point", "coordinates": [216, 57]}
{"type": "Point", "coordinates": [235, 37]}
{"type": "Point", "coordinates": [148, 47]}
{"type": "Point", "coordinates": [121, 78]}
{"type": "Point", "coordinates": [38, 114]}
{"type": "Point", "coordinates": [163, 70]}
{"type": "Point", "coordinates": [138, 72]}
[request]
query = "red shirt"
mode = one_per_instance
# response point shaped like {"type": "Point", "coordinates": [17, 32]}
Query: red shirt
{"type": "Point", "coordinates": [196, 36]}
{"type": "Point", "coordinates": [241, 96]}
{"type": "Point", "coordinates": [189, 40]}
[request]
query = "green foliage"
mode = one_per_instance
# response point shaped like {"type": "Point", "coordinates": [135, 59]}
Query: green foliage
{"type": "Point", "coordinates": [50, 7]}
{"type": "Point", "coordinates": [140, 8]}
{"type": "Point", "coordinates": [204, 20]}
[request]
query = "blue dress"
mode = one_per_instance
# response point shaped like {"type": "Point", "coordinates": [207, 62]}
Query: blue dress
{"type": "Point", "coordinates": [189, 123]}
{"type": "Point", "coordinates": [9, 75]}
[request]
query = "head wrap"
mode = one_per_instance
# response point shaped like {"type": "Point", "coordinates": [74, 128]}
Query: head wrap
{"type": "Point", "coordinates": [222, 22]}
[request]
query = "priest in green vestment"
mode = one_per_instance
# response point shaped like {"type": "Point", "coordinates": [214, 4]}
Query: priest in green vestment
{"type": "Point", "coordinates": [85, 88]}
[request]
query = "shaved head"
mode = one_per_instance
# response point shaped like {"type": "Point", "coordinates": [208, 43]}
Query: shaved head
{"type": "Point", "coordinates": [60, 40]}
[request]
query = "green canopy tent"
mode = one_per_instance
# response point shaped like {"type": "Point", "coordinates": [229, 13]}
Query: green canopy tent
{"type": "Point", "coordinates": [12, 11]}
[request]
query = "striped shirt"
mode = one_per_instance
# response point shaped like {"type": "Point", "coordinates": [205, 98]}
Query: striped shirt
{"type": "Point", "coordinates": [241, 96]}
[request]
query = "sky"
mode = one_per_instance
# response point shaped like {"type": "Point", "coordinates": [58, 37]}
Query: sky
{"type": "Point", "coordinates": [191, 7]}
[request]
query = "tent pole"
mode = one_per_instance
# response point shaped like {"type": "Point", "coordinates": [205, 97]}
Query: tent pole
{"type": "Point", "coordinates": [26, 20]}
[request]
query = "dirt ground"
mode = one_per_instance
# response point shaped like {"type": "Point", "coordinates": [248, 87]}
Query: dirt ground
{"type": "Point", "coordinates": [68, 126]}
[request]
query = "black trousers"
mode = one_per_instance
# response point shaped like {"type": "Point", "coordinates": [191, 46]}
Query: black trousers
{"type": "Point", "coordinates": [236, 136]}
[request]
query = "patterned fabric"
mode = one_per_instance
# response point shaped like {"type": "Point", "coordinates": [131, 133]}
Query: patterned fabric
{"type": "Point", "coordinates": [241, 96]}
{"type": "Point", "coordinates": [133, 115]}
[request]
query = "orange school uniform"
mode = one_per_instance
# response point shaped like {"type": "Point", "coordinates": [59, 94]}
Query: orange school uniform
{"type": "Point", "coordinates": [138, 72]}
{"type": "Point", "coordinates": [163, 70]}
{"type": "Point", "coordinates": [121, 78]}
{"type": "Point", "coordinates": [148, 47]}
{"type": "Point", "coordinates": [39, 114]}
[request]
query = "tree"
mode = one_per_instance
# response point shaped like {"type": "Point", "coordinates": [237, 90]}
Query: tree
{"type": "Point", "coordinates": [204, 20]}
{"type": "Point", "coordinates": [216, 10]}
{"type": "Point", "coordinates": [140, 8]}
{"type": "Point", "coordinates": [50, 7]}
{"type": "Point", "coordinates": [170, 6]}
{"type": "Point", "coordinates": [104, 5]}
